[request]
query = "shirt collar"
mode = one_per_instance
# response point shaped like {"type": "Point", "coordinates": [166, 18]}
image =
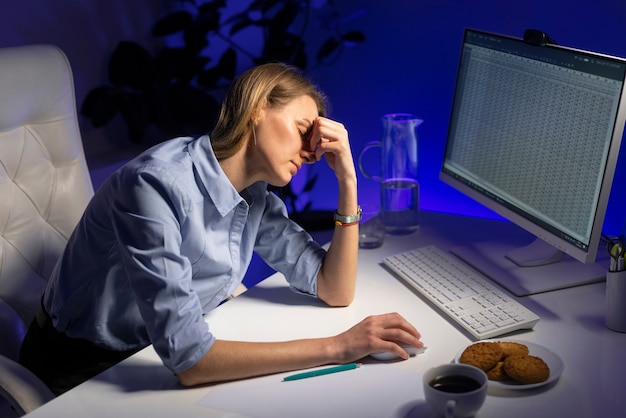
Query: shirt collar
{"type": "Point", "coordinates": [218, 187]}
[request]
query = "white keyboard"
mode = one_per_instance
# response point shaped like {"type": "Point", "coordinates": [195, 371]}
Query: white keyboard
{"type": "Point", "coordinates": [463, 294]}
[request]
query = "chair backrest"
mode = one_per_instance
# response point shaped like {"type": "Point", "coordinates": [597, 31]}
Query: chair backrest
{"type": "Point", "coordinates": [44, 180]}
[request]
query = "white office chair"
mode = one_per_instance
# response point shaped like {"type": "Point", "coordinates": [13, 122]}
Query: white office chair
{"type": "Point", "coordinates": [44, 189]}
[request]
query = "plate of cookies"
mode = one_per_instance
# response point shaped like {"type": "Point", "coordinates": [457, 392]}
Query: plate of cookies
{"type": "Point", "coordinates": [513, 364]}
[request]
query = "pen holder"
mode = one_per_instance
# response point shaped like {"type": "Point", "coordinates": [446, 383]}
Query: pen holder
{"type": "Point", "coordinates": [615, 318]}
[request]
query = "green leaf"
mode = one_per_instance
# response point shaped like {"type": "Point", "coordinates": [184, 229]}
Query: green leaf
{"type": "Point", "coordinates": [241, 22]}
{"type": "Point", "coordinates": [264, 5]}
{"type": "Point", "coordinates": [353, 37]}
{"type": "Point", "coordinates": [136, 114]}
{"type": "Point", "coordinates": [226, 68]}
{"type": "Point", "coordinates": [209, 78]}
{"type": "Point", "coordinates": [285, 17]}
{"type": "Point", "coordinates": [286, 48]}
{"type": "Point", "coordinates": [181, 64]}
{"type": "Point", "coordinates": [209, 17]}
{"type": "Point", "coordinates": [100, 106]}
{"type": "Point", "coordinates": [211, 6]}
{"type": "Point", "coordinates": [327, 49]}
{"type": "Point", "coordinates": [131, 65]}
{"type": "Point", "coordinates": [228, 64]}
{"type": "Point", "coordinates": [310, 183]}
{"type": "Point", "coordinates": [172, 23]}
{"type": "Point", "coordinates": [196, 36]}
{"type": "Point", "coordinates": [193, 111]}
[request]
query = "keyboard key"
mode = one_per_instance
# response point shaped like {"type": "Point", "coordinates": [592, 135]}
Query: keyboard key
{"type": "Point", "coordinates": [464, 295]}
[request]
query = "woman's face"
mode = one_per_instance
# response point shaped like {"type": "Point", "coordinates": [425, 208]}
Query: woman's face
{"type": "Point", "coordinates": [283, 139]}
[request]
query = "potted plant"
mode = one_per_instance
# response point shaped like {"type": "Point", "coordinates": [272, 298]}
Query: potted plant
{"type": "Point", "coordinates": [178, 88]}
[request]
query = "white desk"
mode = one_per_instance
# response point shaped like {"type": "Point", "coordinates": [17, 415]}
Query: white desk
{"type": "Point", "coordinates": [593, 383]}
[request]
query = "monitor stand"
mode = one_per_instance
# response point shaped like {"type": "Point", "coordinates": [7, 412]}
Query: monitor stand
{"type": "Point", "coordinates": [492, 259]}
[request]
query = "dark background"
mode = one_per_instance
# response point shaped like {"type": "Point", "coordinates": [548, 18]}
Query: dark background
{"type": "Point", "coordinates": [407, 64]}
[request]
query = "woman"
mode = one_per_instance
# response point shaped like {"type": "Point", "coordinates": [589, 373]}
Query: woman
{"type": "Point", "coordinates": [169, 236]}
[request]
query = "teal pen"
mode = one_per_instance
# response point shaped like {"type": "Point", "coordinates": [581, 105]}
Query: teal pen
{"type": "Point", "coordinates": [321, 372]}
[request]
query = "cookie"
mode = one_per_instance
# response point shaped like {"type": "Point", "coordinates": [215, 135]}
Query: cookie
{"type": "Point", "coordinates": [497, 373]}
{"type": "Point", "coordinates": [484, 355]}
{"type": "Point", "coordinates": [526, 369]}
{"type": "Point", "coordinates": [510, 348]}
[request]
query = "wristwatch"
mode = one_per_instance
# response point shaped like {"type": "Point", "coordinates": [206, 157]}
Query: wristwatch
{"type": "Point", "coordinates": [342, 220]}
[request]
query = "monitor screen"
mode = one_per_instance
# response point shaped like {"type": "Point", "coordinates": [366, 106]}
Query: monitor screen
{"type": "Point", "coordinates": [534, 135]}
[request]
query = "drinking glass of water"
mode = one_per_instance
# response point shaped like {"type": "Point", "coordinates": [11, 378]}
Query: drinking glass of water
{"type": "Point", "coordinates": [371, 228]}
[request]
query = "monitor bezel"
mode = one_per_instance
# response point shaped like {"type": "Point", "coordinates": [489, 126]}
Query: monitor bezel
{"type": "Point", "coordinates": [585, 255]}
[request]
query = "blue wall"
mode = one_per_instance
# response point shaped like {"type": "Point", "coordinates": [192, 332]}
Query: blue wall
{"type": "Point", "coordinates": [408, 64]}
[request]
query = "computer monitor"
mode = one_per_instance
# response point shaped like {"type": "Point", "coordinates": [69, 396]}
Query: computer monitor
{"type": "Point", "coordinates": [534, 135]}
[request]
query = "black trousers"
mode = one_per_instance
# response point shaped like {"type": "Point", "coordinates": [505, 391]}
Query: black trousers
{"type": "Point", "coordinates": [62, 362]}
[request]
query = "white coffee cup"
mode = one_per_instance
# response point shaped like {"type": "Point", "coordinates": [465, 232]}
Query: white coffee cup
{"type": "Point", "coordinates": [455, 390]}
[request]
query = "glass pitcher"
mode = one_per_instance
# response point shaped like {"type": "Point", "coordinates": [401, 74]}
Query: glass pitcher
{"type": "Point", "coordinates": [398, 179]}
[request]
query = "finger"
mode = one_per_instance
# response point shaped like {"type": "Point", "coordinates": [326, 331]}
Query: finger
{"type": "Point", "coordinates": [321, 148]}
{"type": "Point", "coordinates": [334, 145]}
{"type": "Point", "coordinates": [316, 136]}
{"type": "Point", "coordinates": [331, 130]}
{"type": "Point", "coordinates": [395, 320]}
{"type": "Point", "coordinates": [314, 140]}
{"type": "Point", "coordinates": [392, 327]}
{"type": "Point", "coordinates": [398, 337]}
{"type": "Point", "coordinates": [394, 348]}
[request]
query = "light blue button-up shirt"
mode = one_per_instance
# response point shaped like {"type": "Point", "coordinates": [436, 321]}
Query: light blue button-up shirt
{"type": "Point", "coordinates": [164, 240]}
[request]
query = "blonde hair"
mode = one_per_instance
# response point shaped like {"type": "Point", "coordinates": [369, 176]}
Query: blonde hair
{"type": "Point", "coordinates": [274, 85]}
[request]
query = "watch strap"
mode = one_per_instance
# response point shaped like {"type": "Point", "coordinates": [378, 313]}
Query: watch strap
{"type": "Point", "coordinates": [347, 220]}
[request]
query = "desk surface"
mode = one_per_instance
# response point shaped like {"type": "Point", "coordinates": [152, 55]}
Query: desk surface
{"type": "Point", "coordinates": [572, 325]}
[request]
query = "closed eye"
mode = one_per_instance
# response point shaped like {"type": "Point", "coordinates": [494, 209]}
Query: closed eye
{"type": "Point", "coordinates": [305, 135]}
{"type": "Point", "coordinates": [305, 128]}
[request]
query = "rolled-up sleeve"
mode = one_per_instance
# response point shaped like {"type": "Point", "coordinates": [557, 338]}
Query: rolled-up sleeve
{"type": "Point", "coordinates": [288, 248]}
{"type": "Point", "coordinates": [165, 240]}
{"type": "Point", "coordinates": [147, 221]}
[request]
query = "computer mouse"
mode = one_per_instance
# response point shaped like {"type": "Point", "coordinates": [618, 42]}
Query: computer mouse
{"type": "Point", "coordinates": [386, 355]}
